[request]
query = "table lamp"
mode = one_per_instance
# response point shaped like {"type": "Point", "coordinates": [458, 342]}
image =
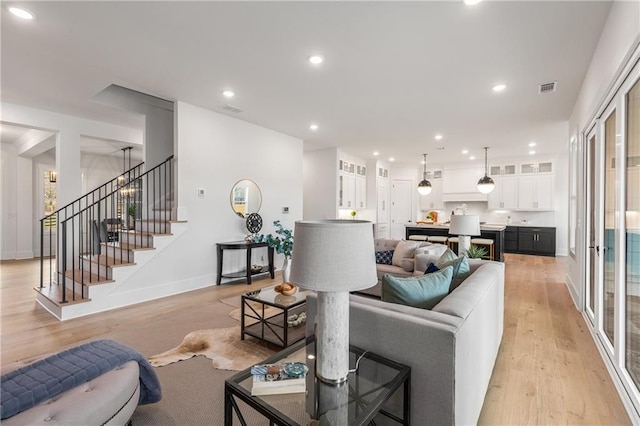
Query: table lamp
{"type": "Point", "coordinates": [333, 257]}
{"type": "Point", "coordinates": [464, 226]}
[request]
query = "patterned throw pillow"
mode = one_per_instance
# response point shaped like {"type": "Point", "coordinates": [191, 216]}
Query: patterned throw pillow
{"type": "Point", "coordinates": [384, 257]}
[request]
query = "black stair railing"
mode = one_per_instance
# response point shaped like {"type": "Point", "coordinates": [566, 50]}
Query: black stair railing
{"type": "Point", "coordinates": [101, 228]}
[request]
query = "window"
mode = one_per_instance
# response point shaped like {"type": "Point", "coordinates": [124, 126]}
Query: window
{"type": "Point", "coordinates": [50, 206]}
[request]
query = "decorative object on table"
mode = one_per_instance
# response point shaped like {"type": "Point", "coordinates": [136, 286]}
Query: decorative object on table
{"type": "Point", "coordinates": [464, 226]}
{"type": "Point", "coordinates": [476, 252]}
{"type": "Point", "coordinates": [254, 223]}
{"type": "Point", "coordinates": [256, 268]}
{"type": "Point", "coordinates": [333, 257]}
{"type": "Point", "coordinates": [286, 288]}
{"type": "Point", "coordinates": [221, 345]}
{"type": "Point", "coordinates": [424, 187]}
{"type": "Point", "coordinates": [353, 214]}
{"type": "Point", "coordinates": [296, 320]}
{"type": "Point", "coordinates": [281, 243]}
{"type": "Point", "coordinates": [485, 184]}
{"type": "Point", "coordinates": [272, 379]}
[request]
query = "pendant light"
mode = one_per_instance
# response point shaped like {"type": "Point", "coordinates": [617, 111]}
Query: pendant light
{"type": "Point", "coordinates": [424, 187]}
{"type": "Point", "coordinates": [486, 184]}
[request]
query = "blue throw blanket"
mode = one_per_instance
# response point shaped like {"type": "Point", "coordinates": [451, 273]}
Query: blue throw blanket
{"type": "Point", "coordinates": [37, 382]}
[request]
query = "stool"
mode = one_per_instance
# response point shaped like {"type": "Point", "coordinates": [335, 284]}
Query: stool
{"type": "Point", "coordinates": [453, 242]}
{"type": "Point", "coordinates": [441, 240]}
{"type": "Point", "coordinates": [418, 237]}
{"type": "Point", "coordinates": [486, 243]}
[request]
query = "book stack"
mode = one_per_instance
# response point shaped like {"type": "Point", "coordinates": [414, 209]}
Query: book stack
{"type": "Point", "coordinates": [273, 379]}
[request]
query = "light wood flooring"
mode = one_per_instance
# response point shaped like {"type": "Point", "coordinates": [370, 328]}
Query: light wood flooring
{"type": "Point", "coordinates": [548, 371]}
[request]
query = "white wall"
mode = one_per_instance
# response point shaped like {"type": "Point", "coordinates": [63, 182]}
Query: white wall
{"type": "Point", "coordinates": [320, 171]}
{"type": "Point", "coordinates": [620, 34]}
{"type": "Point", "coordinates": [213, 152]}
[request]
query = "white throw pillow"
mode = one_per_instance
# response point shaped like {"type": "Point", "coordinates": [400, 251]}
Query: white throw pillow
{"type": "Point", "coordinates": [404, 249]}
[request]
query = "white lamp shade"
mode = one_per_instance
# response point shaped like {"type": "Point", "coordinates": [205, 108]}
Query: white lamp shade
{"type": "Point", "coordinates": [333, 255]}
{"type": "Point", "coordinates": [462, 224]}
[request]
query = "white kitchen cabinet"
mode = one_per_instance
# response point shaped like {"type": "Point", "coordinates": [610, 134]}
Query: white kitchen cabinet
{"type": "Point", "coordinates": [503, 170]}
{"type": "Point", "coordinates": [346, 191]}
{"type": "Point", "coordinates": [536, 168]}
{"type": "Point", "coordinates": [535, 192]}
{"type": "Point", "coordinates": [383, 205]}
{"type": "Point", "coordinates": [352, 184]}
{"type": "Point", "coordinates": [361, 192]}
{"type": "Point", "coordinates": [505, 194]}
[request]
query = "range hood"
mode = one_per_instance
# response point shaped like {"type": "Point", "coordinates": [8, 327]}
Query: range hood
{"type": "Point", "coordinates": [464, 196]}
{"type": "Point", "coordinates": [460, 184]}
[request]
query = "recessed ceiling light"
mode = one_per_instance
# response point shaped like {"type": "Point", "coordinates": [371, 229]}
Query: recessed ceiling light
{"type": "Point", "coordinates": [392, 159]}
{"type": "Point", "coordinates": [471, 2]}
{"type": "Point", "coordinates": [532, 144]}
{"type": "Point", "coordinates": [376, 153]}
{"type": "Point", "coordinates": [499, 87]}
{"type": "Point", "coordinates": [228, 94]}
{"type": "Point", "coordinates": [472, 158]}
{"type": "Point", "coordinates": [313, 127]}
{"type": "Point", "coordinates": [465, 151]}
{"type": "Point", "coordinates": [438, 137]}
{"type": "Point", "coordinates": [531, 152]}
{"type": "Point", "coordinates": [316, 59]}
{"type": "Point", "coordinates": [21, 13]}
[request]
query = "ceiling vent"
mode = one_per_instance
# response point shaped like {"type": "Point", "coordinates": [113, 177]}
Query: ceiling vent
{"type": "Point", "coordinates": [547, 87]}
{"type": "Point", "coordinates": [231, 108]}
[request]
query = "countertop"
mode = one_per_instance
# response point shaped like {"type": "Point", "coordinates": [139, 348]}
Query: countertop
{"type": "Point", "coordinates": [485, 227]}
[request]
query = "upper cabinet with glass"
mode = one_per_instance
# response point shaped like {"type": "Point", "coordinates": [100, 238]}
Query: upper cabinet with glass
{"type": "Point", "coordinates": [246, 198]}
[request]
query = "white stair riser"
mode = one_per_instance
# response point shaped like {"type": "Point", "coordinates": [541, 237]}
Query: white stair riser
{"type": "Point", "coordinates": [77, 289]}
{"type": "Point", "coordinates": [117, 253]}
{"type": "Point", "coordinates": [95, 269]}
{"type": "Point", "coordinates": [136, 240]}
{"type": "Point", "coordinates": [153, 227]}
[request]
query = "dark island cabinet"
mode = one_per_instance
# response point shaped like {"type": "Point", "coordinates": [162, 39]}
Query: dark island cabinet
{"type": "Point", "coordinates": [511, 239]}
{"type": "Point", "coordinates": [537, 240]}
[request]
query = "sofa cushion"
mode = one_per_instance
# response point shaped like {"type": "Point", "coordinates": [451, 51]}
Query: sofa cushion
{"type": "Point", "coordinates": [404, 250]}
{"type": "Point", "coordinates": [461, 271]}
{"type": "Point", "coordinates": [421, 292]}
{"type": "Point", "coordinates": [447, 256]}
{"type": "Point", "coordinates": [384, 257]}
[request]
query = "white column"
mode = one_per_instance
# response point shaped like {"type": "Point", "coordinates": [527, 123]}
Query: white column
{"type": "Point", "coordinates": [69, 185]}
{"type": "Point", "coordinates": [24, 203]}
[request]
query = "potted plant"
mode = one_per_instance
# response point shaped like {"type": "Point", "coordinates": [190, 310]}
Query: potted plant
{"type": "Point", "coordinates": [132, 215]}
{"type": "Point", "coordinates": [282, 243]}
{"type": "Point", "coordinates": [476, 252]}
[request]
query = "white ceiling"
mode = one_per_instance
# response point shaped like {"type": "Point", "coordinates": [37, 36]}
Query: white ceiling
{"type": "Point", "coordinates": [395, 74]}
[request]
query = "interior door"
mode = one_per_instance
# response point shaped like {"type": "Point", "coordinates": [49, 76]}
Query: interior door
{"type": "Point", "coordinates": [402, 192]}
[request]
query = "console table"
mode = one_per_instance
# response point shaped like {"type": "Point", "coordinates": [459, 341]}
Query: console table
{"type": "Point", "coordinates": [243, 245]}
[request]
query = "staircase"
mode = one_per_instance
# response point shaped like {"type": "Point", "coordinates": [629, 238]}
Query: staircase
{"type": "Point", "coordinates": [91, 248]}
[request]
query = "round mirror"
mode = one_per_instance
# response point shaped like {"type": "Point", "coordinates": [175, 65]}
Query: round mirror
{"type": "Point", "coordinates": [246, 198]}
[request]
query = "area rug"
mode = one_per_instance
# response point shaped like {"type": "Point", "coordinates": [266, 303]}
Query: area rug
{"type": "Point", "coordinates": [223, 346]}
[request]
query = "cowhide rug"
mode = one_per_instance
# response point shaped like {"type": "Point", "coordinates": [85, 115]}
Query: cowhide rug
{"type": "Point", "coordinates": [222, 345]}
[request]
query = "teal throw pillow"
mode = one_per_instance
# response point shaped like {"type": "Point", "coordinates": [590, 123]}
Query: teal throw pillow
{"type": "Point", "coordinates": [461, 270]}
{"type": "Point", "coordinates": [424, 292]}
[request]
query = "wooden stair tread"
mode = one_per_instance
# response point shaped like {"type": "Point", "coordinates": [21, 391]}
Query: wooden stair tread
{"type": "Point", "coordinates": [146, 233]}
{"type": "Point", "coordinates": [125, 247]}
{"type": "Point", "coordinates": [53, 292]}
{"type": "Point", "coordinates": [86, 277]}
{"type": "Point", "coordinates": [105, 260]}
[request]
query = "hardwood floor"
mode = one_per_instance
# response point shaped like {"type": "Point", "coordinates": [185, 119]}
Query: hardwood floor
{"type": "Point", "coordinates": [548, 370]}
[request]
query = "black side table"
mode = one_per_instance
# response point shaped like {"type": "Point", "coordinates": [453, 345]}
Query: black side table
{"type": "Point", "coordinates": [243, 245]}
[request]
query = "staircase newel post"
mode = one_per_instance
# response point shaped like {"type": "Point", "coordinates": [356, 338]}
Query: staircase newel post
{"type": "Point", "coordinates": [42, 252]}
{"type": "Point", "coordinates": [64, 261]}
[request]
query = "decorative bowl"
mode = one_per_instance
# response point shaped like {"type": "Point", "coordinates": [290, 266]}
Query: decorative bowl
{"type": "Point", "coordinates": [256, 268]}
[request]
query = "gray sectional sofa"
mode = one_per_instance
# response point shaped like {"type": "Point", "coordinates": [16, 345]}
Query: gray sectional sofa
{"type": "Point", "coordinates": [451, 349]}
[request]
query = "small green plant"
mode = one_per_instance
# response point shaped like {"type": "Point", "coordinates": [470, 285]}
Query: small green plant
{"type": "Point", "coordinates": [281, 243]}
{"type": "Point", "coordinates": [353, 214]}
{"type": "Point", "coordinates": [476, 252]}
{"type": "Point", "coordinates": [132, 210]}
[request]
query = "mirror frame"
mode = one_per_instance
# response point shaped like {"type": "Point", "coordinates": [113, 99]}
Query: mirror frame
{"type": "Point", "coordinates": [245, 183]}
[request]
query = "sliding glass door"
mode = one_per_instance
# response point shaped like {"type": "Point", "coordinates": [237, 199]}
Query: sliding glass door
{"type": "Point", "coordinates": [632, 232]}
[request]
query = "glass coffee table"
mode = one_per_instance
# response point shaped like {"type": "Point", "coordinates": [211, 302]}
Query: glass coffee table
{"type": "Point", "coordinates": [273, 317]}
{"type": "Point", "coordinates": [377, 393]}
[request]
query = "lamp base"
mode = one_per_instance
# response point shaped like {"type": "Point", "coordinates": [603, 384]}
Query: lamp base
{"type": "Point", "coordinates": [464, 242]}
{"type": "Point", "coordinates": [332, 337]}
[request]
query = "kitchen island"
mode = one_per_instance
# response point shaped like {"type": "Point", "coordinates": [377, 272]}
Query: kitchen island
{"type": "Point", "coordinates": [491, 232]}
